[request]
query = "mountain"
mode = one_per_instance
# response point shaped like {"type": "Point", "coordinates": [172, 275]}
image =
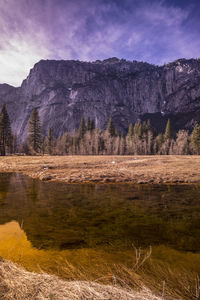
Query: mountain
{"type": "Point", "coordinates": [64, 91]}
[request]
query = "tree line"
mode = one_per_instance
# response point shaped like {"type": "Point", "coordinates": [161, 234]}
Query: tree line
{"type": "Point", "coordinates": [141, 139]}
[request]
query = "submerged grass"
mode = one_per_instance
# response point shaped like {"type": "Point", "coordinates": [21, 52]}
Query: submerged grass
{"type": "Point", "coordinates": [169, 273]}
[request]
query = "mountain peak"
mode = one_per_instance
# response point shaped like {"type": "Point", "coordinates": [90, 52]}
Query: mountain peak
{"type": "Point", "coordinates": [65, 90]}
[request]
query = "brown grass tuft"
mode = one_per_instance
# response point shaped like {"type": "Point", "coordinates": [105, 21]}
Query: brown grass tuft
{"type": "Point", "coordinates": [19, 284]}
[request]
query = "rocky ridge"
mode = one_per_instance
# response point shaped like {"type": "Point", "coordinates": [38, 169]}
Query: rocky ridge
{"type": "Point", "coordinates": [64, 91]}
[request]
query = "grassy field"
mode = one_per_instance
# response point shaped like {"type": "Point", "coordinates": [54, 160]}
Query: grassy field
{"type": "Point", "coordinates": [84, 169]}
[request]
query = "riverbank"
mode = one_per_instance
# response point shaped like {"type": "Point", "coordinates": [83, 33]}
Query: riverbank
{"type": "Point", "coordinates": [19, 284]}
{"type": "Point", "coordinates": [104, 169]}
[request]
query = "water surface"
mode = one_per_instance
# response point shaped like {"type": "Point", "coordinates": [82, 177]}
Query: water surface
{"type": "Point", "coordinates": [63, 216]}
{"type": "Point", "coordinates": [88, 231]}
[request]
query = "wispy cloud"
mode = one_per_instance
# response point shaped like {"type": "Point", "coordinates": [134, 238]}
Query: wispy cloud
{"type": "Point", "coordinates": [154, 31]}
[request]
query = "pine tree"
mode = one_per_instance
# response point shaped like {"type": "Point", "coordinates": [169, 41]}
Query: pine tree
{"type": "Point", "coordinates": [195, 138]}
{"type": "Point", "coordinates": [182, 146]}
{"type": "Point", "coordinates": [149, 125]}
{"type": "Point", "coordinates": [122, 149]}
{"type": "Point", "coordinates": [144, 127]}
{"type": "Point", "coordinates": [82, 128]}
{"type": "Point", "coordinates": [130, 131]}
{"type": "Point", "coordinates": [111, 128]}
{"type": "Point", "coordinates": [149, 142]}
{"type": "Point", "coordinates": [168, 131]}
{"type": "Point", "coordinates": [68, 143]}
{"type": "Point", "coordinates": [5, 131]}
{"type": "Point", "coordinates": [34, 132]}
{"type": "Point", "coordinates": [88, 124]}
{"type": "Point", "coordinates": [92, 125]}
{"type": "Point", "coordinates": [50, 142]}
{"type": "Point", "coordinates": [75, 142]}
{"type": "Point", "coordinates": [14, 148]}
{"type": "Point", "coordinates": [160, 139]}
{"type": "Point", "coordinates": [138, 129]}
{"type": "Point", "coordinates": [116, 132]}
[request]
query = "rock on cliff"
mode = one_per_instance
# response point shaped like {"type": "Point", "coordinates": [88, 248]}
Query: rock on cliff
{"type": "Point", "coordinates": [64, 91]}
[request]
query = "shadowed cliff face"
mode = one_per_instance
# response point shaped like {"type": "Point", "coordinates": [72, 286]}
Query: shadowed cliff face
{"type": "Point", "coordinates": [63, 91]}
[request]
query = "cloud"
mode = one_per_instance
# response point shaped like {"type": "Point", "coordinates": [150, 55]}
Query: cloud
{"type": "Point", "coordinates": [154, 31]}
{"type": "Point", "coordinates": [16, 59]}
{"type": "Point", "coordinates": [22, 42]}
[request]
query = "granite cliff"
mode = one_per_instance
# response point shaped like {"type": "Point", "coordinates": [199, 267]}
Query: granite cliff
{"type": "Point", "coordinates": [64, 91]}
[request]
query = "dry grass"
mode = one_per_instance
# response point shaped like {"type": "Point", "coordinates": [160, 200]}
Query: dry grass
{"type": "Point", "coordinates": [18, 284]}
{"type": "Point", "coordinates": [165, 271]}
{"type": "Point", "coordinates": [83, 169]}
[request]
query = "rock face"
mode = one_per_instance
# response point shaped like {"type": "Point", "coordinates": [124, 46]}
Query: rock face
{"type": "Point", "coordinates": [64, 91]}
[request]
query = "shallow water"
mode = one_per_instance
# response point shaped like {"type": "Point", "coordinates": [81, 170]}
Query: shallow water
{"type": "Point", "coordinates": [87, 232]}
{"type": "Point", "coordinates": [62, 216]}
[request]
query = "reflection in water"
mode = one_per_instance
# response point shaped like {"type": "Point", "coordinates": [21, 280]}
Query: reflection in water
{"type": "Point", "coordinates": [66, 229]}
{"type": "Point", "coordinates": [33, 191]}
{"type": "Point", "coordinates": [10, 230]}
{"type": "Point", "coordinates": [61, 216]}
{"type": "Point", "coordinates": [12, 239]}
{"type": "Point", "coordinates": [4, 186]}
{"type": "Point", "coordinates": [178, 269]}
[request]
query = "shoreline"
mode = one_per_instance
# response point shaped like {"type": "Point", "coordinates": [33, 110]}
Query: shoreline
{"type": "Point", "coordinates": [17, 283]}
{"type": "Point", "coordinates": [106, 169]}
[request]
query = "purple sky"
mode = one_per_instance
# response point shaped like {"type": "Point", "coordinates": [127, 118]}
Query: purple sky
{"type": "Point", "coordinates": [156, 31]}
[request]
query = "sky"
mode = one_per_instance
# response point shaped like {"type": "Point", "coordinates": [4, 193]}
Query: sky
{"type": "Point", "coordinates": [155, 31]}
